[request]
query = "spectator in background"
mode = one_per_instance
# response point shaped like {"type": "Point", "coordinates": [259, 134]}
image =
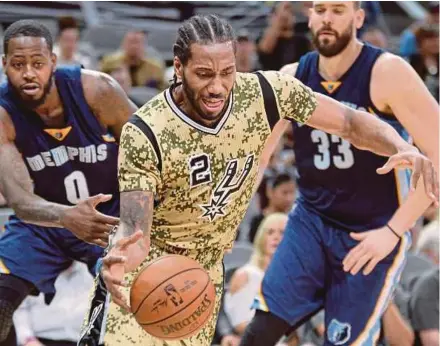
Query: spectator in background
{"type": "Point", "coordinates": [428, 242]}
{"type": "Point", "coordinates": [373, 15]}
{"type": "Point", "coordinates": [426, 61]}
{"type": "Point", "coordinates": [245, 56]}
{"type": "Point", "coordinates": [280, 193]}
{"type": "Point", "coordinates": [423, 257]}
{"type": "Point", "coordinates": [59, 323]}
{"type": "Point", "coordinates": [246, 281]}
{"type": "Point", "coordinates": [408, 42]}
{"type": "Point", "coordinates": [424, 309]}
{"type": "Point", "coordinates": [120, 72]}
{"type": "Point", "coordinates": [374, 36]}
{"type": "Point", "coordinates": [66, 47]}
{"type": "Point", "coordinates": [280, 44]}
{"type": "Point", "coordinates": [144, 71]}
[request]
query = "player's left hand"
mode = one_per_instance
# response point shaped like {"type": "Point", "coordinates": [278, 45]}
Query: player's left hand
{"type": "Point", "coordinates": [420, 166]}
{"type": "Point", "coordinates": [374, 246]}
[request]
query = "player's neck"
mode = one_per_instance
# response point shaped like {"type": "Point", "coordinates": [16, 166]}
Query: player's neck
{"type": "Point", "coordinates": [51, 111]}
{"type": "Point", "coordinates": [333, 68]}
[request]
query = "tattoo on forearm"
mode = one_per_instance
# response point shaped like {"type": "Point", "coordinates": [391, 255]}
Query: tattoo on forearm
{"type": "Point", "coordinates": [136, 210]}
{"type": "Point", "coordinates": [16, 185]}
{"type": "Point", "coordinates": [39, 214]}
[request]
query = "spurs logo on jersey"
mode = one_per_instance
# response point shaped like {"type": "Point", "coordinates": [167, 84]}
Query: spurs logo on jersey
{"type": "Point", "coordinates": [229, 184]}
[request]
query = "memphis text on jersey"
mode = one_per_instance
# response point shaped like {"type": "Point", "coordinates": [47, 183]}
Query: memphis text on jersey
{"type": "Point", "coordinates": [58, 156]}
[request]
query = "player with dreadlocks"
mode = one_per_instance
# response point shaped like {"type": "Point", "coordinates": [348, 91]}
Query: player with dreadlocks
{"type": "Point", "coordinates": [189, 162]}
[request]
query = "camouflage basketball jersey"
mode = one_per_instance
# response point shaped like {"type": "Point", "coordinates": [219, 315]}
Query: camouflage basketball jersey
{"type": "Point", "coordinates": [202, 178]}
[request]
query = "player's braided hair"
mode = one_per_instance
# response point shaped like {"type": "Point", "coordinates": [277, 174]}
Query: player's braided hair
{"type": "Point", "coordinates": [26, 27]}
{"type": "Point", "coordinates": [201, 29]}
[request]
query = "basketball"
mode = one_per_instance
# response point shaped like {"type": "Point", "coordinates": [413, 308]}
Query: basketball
{"type": "Point", "coordinates": [172, 297]}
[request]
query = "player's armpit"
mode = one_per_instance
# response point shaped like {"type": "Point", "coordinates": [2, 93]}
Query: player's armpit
{"type": "Point", "coordinates": [109, 102]}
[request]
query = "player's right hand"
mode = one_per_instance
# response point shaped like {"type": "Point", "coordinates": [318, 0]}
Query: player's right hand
{"type": "Point", "coordinates": [121, 259]}
{"type": "Point", "coordinates": [87, 223]}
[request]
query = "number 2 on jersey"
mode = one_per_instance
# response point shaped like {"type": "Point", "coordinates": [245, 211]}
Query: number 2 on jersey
{"type": "Point", "coordinates": [76, 187]}
{"type": "Point", "coordinates": [343, 160]}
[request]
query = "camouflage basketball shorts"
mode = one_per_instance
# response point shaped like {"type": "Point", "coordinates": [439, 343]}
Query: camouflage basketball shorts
{"type": "Point", "coordinates": [107, 324]}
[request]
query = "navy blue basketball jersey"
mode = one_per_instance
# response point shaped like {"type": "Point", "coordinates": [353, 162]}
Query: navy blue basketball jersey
{"type": "Point", "coordinates": [66, 164]}
{"type": "Point", "coordinates": [335, 179]}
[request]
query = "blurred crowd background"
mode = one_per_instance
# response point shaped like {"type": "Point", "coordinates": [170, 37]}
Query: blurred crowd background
{"type": "Point", "coordinates": [132, 41]}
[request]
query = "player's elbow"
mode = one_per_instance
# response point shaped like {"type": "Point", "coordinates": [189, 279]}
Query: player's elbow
{"type": "Point", "coordinates": [335, 118]}
{"type": "Point", "coordinates": [348, 130]}
{"type": "Point", "coordinates": [17, 207]}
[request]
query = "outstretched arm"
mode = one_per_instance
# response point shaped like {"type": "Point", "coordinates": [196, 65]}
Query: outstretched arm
{"type": "Point", "coordinates": [16, 186]}
{"type": "Point", "coordinates": [367, 132]}
{"type": "Point", "coordinates": [361, 129]}
{"type": "Point", "coordinates": [299, 103]}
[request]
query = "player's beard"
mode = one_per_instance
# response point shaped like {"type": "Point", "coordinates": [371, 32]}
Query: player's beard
{"type": "Point", "coordinates": [328, 49]}
{"type": "Point", "coordinates": [190, 95]}
{"type": "Point", "coordinates": [30, 103]}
